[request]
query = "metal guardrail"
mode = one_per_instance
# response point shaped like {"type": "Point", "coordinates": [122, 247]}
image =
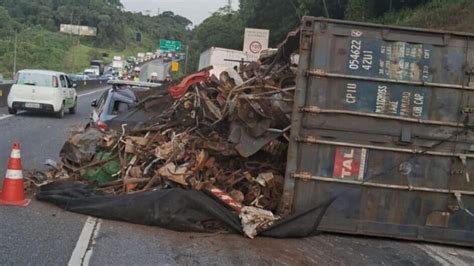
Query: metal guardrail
{"type": "Point", "coordinates": [81, 86]}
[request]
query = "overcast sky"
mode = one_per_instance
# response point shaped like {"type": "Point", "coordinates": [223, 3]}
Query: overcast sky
{"type": "Point", "coordinates": [194, 10]}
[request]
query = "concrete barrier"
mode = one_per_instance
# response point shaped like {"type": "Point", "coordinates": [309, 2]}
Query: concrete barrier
{"type": "Point", "coordinates": [81, 86]}
{"type": "Point", "coordinates": [4, 90]}
{"type": "Point", "coordinates": [90, 84]}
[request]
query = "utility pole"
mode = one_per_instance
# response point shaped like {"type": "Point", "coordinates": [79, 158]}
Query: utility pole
{"type": "Point", "coordinates": [229, 6]}
{"type": "Point", "coordinates": [72, 42]}
{"type": "Point", "coordinates": [14, 54]}
{"type": "Point", "coordinates": [186, 60]}
{"type": "Point", "coordinates": [70, 30]}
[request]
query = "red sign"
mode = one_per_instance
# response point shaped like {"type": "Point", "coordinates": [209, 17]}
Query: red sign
{"type": "Point", "coordinates": [255, 47]}
{"type": "Point", "coordinates": [349, 163]}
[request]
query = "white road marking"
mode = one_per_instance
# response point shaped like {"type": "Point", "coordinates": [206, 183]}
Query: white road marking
{"type": "Point", "coordinates": [83, 250]}
{"type": "Point", "coordinates": [5, 117]}
{"type": "Point", "coordinates": [91, 92]}
{"type": "Point", "coordinates": [88, 255]}
{"type": "Point", "coordinates": [442, 255]}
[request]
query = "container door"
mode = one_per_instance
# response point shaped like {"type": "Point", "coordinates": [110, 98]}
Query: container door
{"type": "Point", "coordinates": [382, 122]}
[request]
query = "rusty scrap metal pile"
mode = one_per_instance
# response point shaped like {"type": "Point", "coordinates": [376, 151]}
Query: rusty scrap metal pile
{"type": "Point", "coordinates": [226, 134]}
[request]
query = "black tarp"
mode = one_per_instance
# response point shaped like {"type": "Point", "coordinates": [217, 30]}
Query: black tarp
{"type": "Point", "coordinates": [175, 208]}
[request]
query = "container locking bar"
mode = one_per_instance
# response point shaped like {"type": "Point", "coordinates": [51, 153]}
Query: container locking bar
{"type": "Point", "coordinates": [322, 73]}
{"type": "Point", "coordinates": [314, 140]}
{"type": "Point", "coordinates": [317, 110]}
{"type": "Point", "coordinates": [306, 176]}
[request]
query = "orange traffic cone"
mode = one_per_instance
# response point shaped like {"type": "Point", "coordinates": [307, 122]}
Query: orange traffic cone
{"type": "Point", "coordinates": [13, 191]}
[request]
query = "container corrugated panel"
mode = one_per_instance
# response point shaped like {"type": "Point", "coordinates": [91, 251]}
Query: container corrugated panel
{"type": "Point", "coordinates": [383, 122]}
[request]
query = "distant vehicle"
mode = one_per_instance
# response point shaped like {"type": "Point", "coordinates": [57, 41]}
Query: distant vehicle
{"type": "Point", "coordinates": [97, 69]}
{"type": "Point", "coordinates": [140, 57]}
{"type": "Point", "coordinates": [117, 100]}
{"type": "Point", "coordinates": [117, 66]}
{"type": "Point", "coordinates": [107, 68]}
{"type": "Point", "coordinates": [79, 77]}
{"type": "Point", "coordinates": [131, 60]}
{"type": "Point", "coordinates": [159, 53]}
{"type": "Point", "coordinates": [91, 72]}
{"type": "Point", "coordinates": [43, 90]}
{"type": "Point", "coordinates": [117, 58]}
{"type": "Point", "coordinates": [108, 76]}
{"type": "Point", "coordinates": [221, 59]}
{"type": "Point", "coordinates": [98, 64]}
{"type": "Point", "coordinates": [148, 56]}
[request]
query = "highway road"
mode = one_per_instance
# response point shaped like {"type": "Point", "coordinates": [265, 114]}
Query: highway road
{"type": "Point", "coordinates": [159, 66]}
{"type": "Point", "coordinates": [42, 234]}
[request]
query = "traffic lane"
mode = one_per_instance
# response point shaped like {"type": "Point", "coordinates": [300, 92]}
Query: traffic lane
{"type": "Point", "coordinates": [41, 233]}
{"type": "Point", "coordinates": [158, 66]}
{"type": "Point", "coordinates": [119, 243]}
{"type": "Point", "coordinates": [38, 235]}
{"type": "Point", "coordinates": [445, 255]}
{"type": "Point", "coordinates": [41, 135]}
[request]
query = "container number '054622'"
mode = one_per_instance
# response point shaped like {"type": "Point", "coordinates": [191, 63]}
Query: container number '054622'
{"type": "Point", "coordinates": [358, 57]}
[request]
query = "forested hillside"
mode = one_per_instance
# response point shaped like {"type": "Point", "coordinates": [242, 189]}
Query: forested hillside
{"type": "Point", "coordinates": [40, 44]}
{"type": "Point", "coordinates": [226, 27]}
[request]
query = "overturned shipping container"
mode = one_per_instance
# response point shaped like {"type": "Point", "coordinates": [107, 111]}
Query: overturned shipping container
{"type": "Point", "coordinates": [383, 123]}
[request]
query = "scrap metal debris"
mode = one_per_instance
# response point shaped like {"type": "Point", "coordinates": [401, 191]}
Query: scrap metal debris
{"type": "Point", "coordinates": [255, 220]}
{"type": "Point", "coordinates": [225, 134]}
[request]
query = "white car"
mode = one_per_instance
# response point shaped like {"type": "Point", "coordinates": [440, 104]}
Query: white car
{"type": "Point", "coordinates": [42, 90]}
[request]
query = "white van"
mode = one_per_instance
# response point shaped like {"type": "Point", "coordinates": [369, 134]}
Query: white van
{"type": "Point", "coordinates": [42, 90]}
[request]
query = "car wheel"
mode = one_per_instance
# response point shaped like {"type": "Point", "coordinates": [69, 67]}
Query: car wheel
{"type": "Point", "coordinates": [60, 113]}
{"type": "Point", "coordinates": [12, 111]}
{"type": "Point", "coordinates": [73, 109]}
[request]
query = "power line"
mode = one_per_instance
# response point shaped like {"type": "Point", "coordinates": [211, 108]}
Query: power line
{"type": "Point", "coordinates": [326, 11]}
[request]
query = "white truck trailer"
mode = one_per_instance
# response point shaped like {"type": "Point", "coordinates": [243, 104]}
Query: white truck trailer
{"type": "Point", "coordinates": [221, 59]}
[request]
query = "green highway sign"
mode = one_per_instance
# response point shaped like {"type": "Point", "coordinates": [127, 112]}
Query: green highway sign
{"type": "Point", "coordinates": [170, 46]}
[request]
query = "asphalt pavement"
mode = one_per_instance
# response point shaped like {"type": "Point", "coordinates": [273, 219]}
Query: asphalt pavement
{"type": "Point", "coordinates": [42, 234]}
{"type": "Point", "coordinates": [39, 234]}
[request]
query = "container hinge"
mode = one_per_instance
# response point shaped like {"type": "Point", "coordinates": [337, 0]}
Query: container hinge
{"type": "Point", "coordinates": [470, 72]}
{"type": "Point", "coordinates": [461, 205]}
{"type": "Point", "coordinates": [456, 171]}
{"type": "Point", "coordinates": [467, 110]}
{"type": "Point", "coordinates": [405, 135]}
{"type": "Point", "coordinates": [306, 38]}
{"type": "Point", "coordinates": [463, 159]}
